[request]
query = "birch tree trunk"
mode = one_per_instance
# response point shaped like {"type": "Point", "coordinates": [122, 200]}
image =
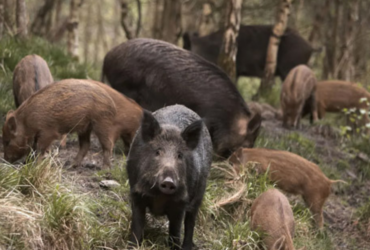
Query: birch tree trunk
{"type": "Point", "coordinates": [1, 18]}
{"type": "Point", "coordinates": [73, 29]}
{"type": "Point", "coordinates": [273, 47]}
{"type": "Point", "coordinates": [227, 56]}
{"type": "Point", "coordinates": [21, 17]}
{"type": "Point", "coordinates": [171, 21]}
{"type": "Point", "coordinates": [207, 22]}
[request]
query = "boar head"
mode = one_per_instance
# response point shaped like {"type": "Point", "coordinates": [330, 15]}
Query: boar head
{"type": "Point", "coordinates": [164, 161]}
{"type": "Point", "coordinates": [14, 140]}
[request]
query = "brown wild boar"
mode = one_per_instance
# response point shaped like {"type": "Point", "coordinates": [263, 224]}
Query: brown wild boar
{"type": "Point", "coordinates": [266, 111]}
{"type": "Point", "coordinates": [292, 174]}
{"type": "Point", "coordinates": [30, 75]}
{"type": "Point", "coordinates": [66, 106]}
{"type": "Point", "coordinates": [272, 215]}
{"type": "Point", "coordinates": [297, 91]}
{"type": "Point", "coordinates": [334, 96]}
{"type": "Point", "coordinates": [128, 117]}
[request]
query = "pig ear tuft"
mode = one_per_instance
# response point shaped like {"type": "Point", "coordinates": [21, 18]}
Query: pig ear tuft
{"type": "Point", "coordinates": [279, 243]}
{"type": "Point", "coordinates": [254, 124]}
{"type": "Point", "coordinates": [12, 124]}
{"type": "Point", "coordinates": [191, 134]}
{"type": "Point", "coordinates": [150, 127]}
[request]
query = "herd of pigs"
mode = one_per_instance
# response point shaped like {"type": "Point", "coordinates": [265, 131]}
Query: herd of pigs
{"type": "Point", "coordinates": [175, 112]}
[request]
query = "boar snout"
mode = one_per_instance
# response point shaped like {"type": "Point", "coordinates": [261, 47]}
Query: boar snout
{"type": "Point", "coordinates": [168, 186]}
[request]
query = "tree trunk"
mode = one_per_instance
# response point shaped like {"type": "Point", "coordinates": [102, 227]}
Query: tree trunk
{"type": "Point", "coordinates": [87, 32]}
{"type": "Point", "coordinates": [158, 9]}
{"type": "Point", "coordinates": [315, 33]}
{"type": "Point", "coordinates": [227, 56]}
{"type": "Point", "coordinates": [273, 46]}
{"type": "Point", "coordinates": [124, 20]}
{"type": "Point", "coordinates": [345, 69]}
{"type": "Point", "coordinates": [207, 22]}
{"type": "Point", "coordinates": [73, 29]}
{"type": "Point", "coordinates": [1, 18]}
{"type": "Point", "coordinates": [171, 21]}
{"type": "Point", "coordinates": [43, 17]}
{"type": "Point", "coordinates": [8, 17]}
{"type": "Point", "coordinates": [21, 15]}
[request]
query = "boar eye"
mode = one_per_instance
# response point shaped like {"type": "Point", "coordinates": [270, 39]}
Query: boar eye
{"type": "Point", "coordinates": [158, 152]}
{"type": "Point", "coordinates": [179, 156]}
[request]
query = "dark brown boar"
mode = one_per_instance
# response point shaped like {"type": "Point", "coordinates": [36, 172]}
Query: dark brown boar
{"type": "Point", "coordinates": [60, 108]}
{"type": "Point", "coordinates": [128, 117]}
{"type": "Point", "coordinates": [292, 173]}
{"type": "Point", "coordinates": [251, 55]}
{"type": "Point", "coordinates": [157, 74]}
{"type": "Point", "coordinates": [272, 215]}
{"type": "Point", "coordinates": [30, 75]}
{"type": "Point", "coordinates": [297, 91]}
{"type": "Point", "coordinates": [334, 96]}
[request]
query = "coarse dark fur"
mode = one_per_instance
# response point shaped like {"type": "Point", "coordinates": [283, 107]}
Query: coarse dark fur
{"type": "Point", "coordinates": [157, 74]}
{"type": "Point", "coordinates": [252, 49]}
{"type": "Point", "coordinates": [172, 142]}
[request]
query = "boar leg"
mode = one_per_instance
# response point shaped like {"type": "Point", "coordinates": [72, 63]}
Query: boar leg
{"type": "Point", "coordinates": [190, 218]}
{"type": "Point", "coordinates": [176, 218]}
{"type": "Point", "coordinates": [44, 141]}
{"type": "Point", "coordinates": [316, 203]}
{"type": "Point", "coordinates": [84, 141]}
{"type": "Point", "coordinates": [137, 222]}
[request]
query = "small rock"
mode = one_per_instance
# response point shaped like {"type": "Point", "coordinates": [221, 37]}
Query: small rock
{"type": "Point", "coordinates": [109, 184]}
{"type": "Point", "coordinates": [351, 174]}
{"type": "Point", "coordinates": [363, 157]}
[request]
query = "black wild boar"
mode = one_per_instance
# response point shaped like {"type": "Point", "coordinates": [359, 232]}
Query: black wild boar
{"type": "Point", "coordinates": [252, 49]}
{"type": "Point", "coordinates": [167, 167]}
{"type": "Point", "coordinates": [157, 74]}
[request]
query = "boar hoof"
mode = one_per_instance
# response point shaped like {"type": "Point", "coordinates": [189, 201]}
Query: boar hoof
{"type": "Point", "coordinates": [92, 166]}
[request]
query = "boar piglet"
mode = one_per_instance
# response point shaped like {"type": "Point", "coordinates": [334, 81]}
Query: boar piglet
{"type": "Point", "coordinates": [168, 166]}
{"type": "Point", "coordinates": [272, 216]}
{"type": "Point", "coordinates": [292, 173]}
{"type": "Point", "coordinates": [60, 108]}
{"type": "Point", "coordinates": [298, 91]}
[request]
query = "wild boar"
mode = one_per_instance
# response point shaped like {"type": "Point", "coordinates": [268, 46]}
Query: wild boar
{"type": "Point", "coordinates": [298, 90]}
{"type": "Point", "coordinates": [66, 106]}
{"type": "Point", "coordinates": [272, 215]}
{"type": "Point", "coordinates": [167, 167]}
{"type": "Point", "coordinates": [128, 117]}
{"type": "Point", "coordinates": [30, 75]}
{"type": "Point", "coordinates": [252, 49]}
{"type": "Point", "coordinates": [292, 174]}
{"type": "Point", "coordinates": [266, 111]}
{"type": "Point", "coordinates": [335, 95]}
{"type": "Point", "coordinates": [157, 74]}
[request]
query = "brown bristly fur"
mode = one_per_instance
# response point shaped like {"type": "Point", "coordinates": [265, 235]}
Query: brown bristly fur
{"type": "Point", "coordinates": [272, 215]}
{"type": "Point", "coordinates": [66, 106]}
{"type": "Point", "coordinates": [298, 89]}
{"type": "Point", "coordinates": [292, 174]}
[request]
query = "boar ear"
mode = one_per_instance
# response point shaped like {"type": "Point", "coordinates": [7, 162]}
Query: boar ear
{"type": "Point", "coordinates": [12, 123]}
{"type": "Point", "coordinates": [279, 243]}
{"type": "Point", "coordinates": [192, 133]}
{"type": "Point", "coordinates": [254, 124]}
{"type": "Point", "coordinates": [150, 127]}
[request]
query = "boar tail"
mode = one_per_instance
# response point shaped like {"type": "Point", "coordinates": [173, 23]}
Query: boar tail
{"type": "Point", "coordinates": [335, 181]}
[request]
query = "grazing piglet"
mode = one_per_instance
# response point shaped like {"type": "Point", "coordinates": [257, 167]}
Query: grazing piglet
{"type": "Point", "coordinates": [30, 75]}
{"type": "Point", "coordinates": [292, 173]}
{"type": "Point", "coordinates": [66, 106]}
{"type": "Point", "coordinates": [272, 215]}
{"type": "Point", "coordinates": [128, 118]}
{"type": "Point", "coordinates": [334, 96]}
{"type": "Point", "coordinates": [168, 166]}
{"type": "Point", "coordinates": [298, 90]}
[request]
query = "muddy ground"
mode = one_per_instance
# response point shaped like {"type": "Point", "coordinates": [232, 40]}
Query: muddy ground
{"type": "Point", "coordinates": [339, 211]}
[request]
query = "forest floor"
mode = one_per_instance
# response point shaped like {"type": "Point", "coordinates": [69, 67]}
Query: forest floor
{"type": "Point", "coordinates": [318, 143]}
